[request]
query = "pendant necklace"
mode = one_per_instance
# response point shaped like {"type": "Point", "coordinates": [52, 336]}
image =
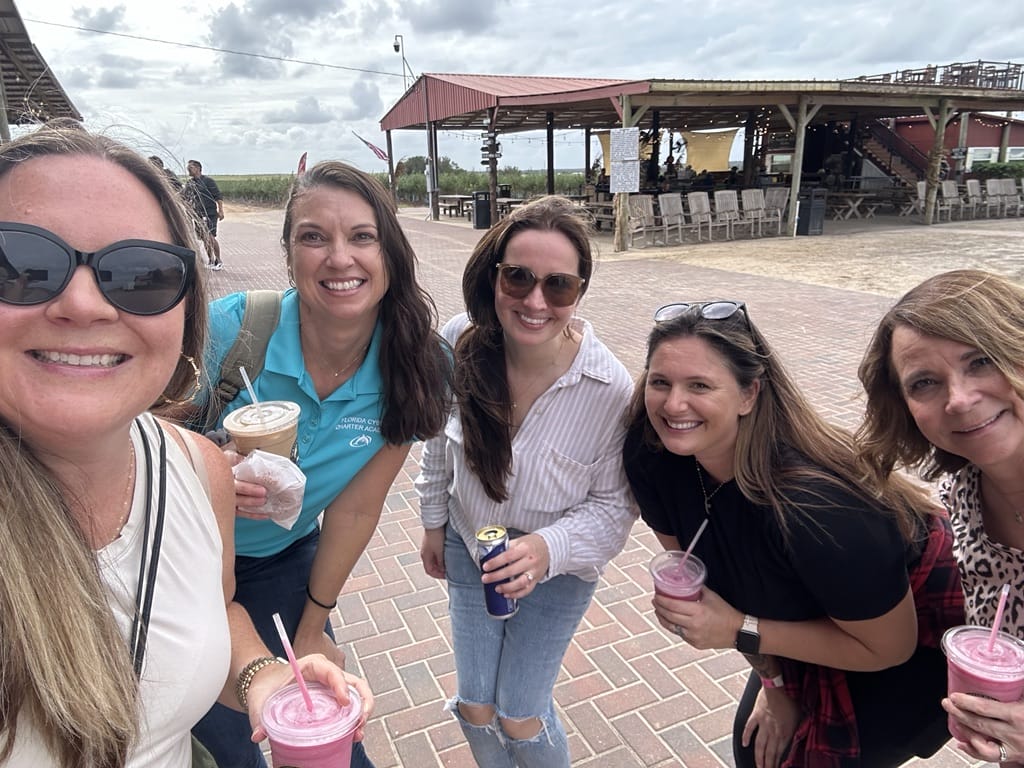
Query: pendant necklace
{"type": "Point", "coordinates": [704, 493]}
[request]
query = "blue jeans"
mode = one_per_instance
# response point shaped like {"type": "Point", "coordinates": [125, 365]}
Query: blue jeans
{"type": "Point", "coordinates": [264, 586]}
{"type": "Point", "coordinates": [511, 664]}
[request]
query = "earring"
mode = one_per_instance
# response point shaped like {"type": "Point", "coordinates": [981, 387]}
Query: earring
{"type": "Point", "coordinates": [196, 385]}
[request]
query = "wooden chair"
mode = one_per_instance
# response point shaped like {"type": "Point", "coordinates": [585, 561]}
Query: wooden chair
{"type": "Point", "coordinates": [945, 201]}
{"type": "Point", "coordinates": [1011, 197]}
{"type": "Point", "coordinates": [727, 210]}
{"type": "Point", "coordinates": [641, 220]}
{"type": "Point", "coordinates": [670, 204]}
{"type": "Point", "coordinates": [994, 196]}
{"type": "Point", "coordinates": [974, 201]}
{"type": "Point", "coordinates": [776, 200]}
{"type": "Point", "coordinates": [753, 209]}
{"type": "Point", "coordinates": [701, 216]}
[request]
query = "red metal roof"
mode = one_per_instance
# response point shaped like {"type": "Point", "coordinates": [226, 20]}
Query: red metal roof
{"type": "Point", "coordinates": [465, 98]}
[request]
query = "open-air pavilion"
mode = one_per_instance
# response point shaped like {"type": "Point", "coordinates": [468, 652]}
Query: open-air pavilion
{"type": "Point", "coordinates": [506, 104]}
{"type": "Point", "coordinates": [29, 91]}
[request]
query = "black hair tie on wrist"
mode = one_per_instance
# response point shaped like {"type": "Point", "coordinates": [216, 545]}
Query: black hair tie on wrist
{"type": "Point", "coordinates": [325, 606]}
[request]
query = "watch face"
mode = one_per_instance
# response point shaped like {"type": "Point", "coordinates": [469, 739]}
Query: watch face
{"type": "Point", "coordinates": [748, 642]}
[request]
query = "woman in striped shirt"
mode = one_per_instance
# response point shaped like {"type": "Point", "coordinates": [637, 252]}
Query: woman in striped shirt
{"type": "Point", "coordinates": [533, 444]}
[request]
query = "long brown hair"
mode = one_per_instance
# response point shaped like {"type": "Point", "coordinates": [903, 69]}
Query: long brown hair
{"type": "Point", "coordinates": [783, 443]}
{"type": "Point", "coordinates": [481, 380]}
{"type": "Point", "coordinates": [415, 368]}
{"type": "Point", "coordinates": [970, 306]}
{"type": "Point", "coordinates": [63, 660]}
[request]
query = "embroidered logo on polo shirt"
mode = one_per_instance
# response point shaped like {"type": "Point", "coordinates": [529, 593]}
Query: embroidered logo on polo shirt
{"type": "Point", "coordinates": [360, 441]}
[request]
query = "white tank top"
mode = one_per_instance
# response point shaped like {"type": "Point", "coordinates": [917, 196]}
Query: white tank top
{"type": "Point", "coordinates": [188, 652]}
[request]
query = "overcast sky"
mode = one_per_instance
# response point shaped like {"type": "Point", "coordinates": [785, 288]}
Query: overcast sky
{"type": "Point", "coordinates": [246, 114]}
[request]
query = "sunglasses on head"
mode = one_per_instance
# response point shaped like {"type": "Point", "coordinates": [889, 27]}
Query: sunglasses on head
{"type": "Point", "coordinates": [559, 289]}
{"type": "Point", "coordinates": [141, 277]}
{"type": "Point", "coordinates": [709, 310]}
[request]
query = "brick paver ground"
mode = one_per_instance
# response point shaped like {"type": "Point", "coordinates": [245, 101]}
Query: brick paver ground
{"type": "Point", "coordinates": [630, 694]}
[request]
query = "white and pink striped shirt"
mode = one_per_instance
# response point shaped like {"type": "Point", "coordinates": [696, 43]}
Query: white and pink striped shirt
{"type": "Point", "coordinates": [567, 482]}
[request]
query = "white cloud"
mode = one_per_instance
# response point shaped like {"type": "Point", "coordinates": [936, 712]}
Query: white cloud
{"type": "Point", "coordinates": [245, 114]}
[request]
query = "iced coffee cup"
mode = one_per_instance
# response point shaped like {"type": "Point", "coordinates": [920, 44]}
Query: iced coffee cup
{"type": "Point", "coordinates": [993, 673]}
{"type": "Point", "coordinates": [272, 426]}
{"type": "Point", "coordinates": [318, 739]}
{"type": "Point", "coordinates": [674, 577]}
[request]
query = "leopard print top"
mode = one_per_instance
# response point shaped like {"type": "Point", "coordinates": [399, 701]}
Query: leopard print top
{"type": "Point", "coordinates": [985, 565]}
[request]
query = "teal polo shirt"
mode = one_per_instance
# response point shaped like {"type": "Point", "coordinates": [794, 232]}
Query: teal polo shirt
{"type": "Point", "coordinates": [337, 436]}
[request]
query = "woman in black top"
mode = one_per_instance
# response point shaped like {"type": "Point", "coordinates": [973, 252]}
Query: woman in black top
{"type": "Point", "coordinates": [835, 590]}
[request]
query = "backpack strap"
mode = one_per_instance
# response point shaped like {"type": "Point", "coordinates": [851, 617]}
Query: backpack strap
{"type": "Point", "coordinates": [262, 313]}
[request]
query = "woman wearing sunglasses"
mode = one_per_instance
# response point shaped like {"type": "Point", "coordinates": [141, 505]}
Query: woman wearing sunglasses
{"type": "Point", "coordinates": [116, 614]}
{"type": "Point", "coordinates": [356, 347]}
{"type": "Point", "coordinates": [945, 398]}
{"type": "Point", "coordinates": [835, 589]}
{"type": "Point", "coordinates": [533, 445]}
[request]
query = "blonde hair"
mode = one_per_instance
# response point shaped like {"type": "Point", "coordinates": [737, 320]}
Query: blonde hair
{"type": "Point", "coordinates": [63, 661]}
{"type": "Point", "coordinates": [970, 306]}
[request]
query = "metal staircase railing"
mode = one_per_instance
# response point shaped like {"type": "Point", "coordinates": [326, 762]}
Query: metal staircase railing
{"type": "Point", "coordinates": [900, 147]}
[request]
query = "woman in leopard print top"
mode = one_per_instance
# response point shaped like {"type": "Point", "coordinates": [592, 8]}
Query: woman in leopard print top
{"type": "Point", "coordinates": [944, 376]}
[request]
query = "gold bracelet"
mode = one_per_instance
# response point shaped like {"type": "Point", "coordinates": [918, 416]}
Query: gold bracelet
{"type": "Point", "coordinates": [248, 673]}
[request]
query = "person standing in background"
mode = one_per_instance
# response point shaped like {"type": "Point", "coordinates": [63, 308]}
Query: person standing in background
{"type": "Point", "coordinates": [204, 195]}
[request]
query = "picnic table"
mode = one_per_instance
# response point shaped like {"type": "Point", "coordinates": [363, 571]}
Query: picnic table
{"type": "Point", "coordinates": [454, 205]}
{"type": "Point", "coordinates": [847, 205]}
{"type": "Point", "coordinates": [506, 204]}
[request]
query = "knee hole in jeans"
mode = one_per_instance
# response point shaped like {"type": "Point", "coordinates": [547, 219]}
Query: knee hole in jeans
{"type": "Point", "coordinates": [476, 714]}
{"type": "Point", "coordinates": [526, 729]}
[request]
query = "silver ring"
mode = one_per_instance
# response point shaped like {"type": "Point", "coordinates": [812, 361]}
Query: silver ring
{"type": "Point", "coordinates": [529, 576]}
{"type": "Point", "coordinates": [1003, 757]}
{"type": "Point", "coordinates": [678, 630]}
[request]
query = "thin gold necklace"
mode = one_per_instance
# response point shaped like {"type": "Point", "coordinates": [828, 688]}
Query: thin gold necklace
{"type": "Point", "coordinates": [352, 362]}
{"type": "Point", "coordinates": [127, 504]}
{"type": "Point", "coordinates": [704, 493]}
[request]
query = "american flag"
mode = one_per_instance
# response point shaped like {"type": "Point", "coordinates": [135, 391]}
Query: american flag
{"type": "Point", "coordinates": [380, 153]}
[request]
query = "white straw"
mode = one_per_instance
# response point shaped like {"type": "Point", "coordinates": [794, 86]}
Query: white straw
{"type": "Point", "coordinates": [252, 392]}
{"type": "Point", "coordinates": [689, 549]}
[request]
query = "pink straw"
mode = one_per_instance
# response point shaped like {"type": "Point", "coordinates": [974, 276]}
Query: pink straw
{"type": "Point", "coordinates": [291, 660]}
{"type": "Point", "coordinates": [693, 543]}
{"type": "Point", "coordinates": [1003, 594]}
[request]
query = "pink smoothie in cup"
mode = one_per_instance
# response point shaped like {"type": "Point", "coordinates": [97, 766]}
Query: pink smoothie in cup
{"type": "Point", "coordinates": [973, 668]}
{"type": "Point", "coordinates": [671, 580]}
{"type": "Point", "coordinates": [318, 739]}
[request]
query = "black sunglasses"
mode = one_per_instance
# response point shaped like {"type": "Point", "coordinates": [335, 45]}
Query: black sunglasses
{"type": "Point", "coordinates": [709, 310]}
{"type": "Point", "coordinates": [142, 277]}
{"type": "Point", "coordinates": [559, 289]}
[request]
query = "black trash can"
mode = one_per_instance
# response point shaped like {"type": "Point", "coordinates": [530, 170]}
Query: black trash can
{"type": "Point", "coordinates": [481, 210]}
{"type": "Point", "coordinates": [504, 190]}
{"type": "Point", "coordinates": [811, 212]}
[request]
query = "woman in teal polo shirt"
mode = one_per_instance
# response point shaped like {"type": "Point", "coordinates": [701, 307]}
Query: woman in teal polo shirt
{"type": "Point", "coordinates": [356, 348]}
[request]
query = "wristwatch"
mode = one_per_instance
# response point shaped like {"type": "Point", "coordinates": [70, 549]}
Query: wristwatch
{"type": "Point", "coordinates": [748, 640]}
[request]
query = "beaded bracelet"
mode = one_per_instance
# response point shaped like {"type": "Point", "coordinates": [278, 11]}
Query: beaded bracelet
{"type": "Point", "coordinates": [248, 673]}
{"type": "Point", "coordinates": [313, 600]}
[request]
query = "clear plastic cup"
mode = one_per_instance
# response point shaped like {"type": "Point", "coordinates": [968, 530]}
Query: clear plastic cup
{"type": "Point", "coordinates": [678, 579]}
{"type": "Point", "coordinates": [973, 668]}
{"type": "Point", "coordinates": [272, 426]}
{"type": "Point", "coordinates": [318, 739]}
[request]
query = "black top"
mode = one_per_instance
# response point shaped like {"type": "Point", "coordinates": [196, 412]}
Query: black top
{"type": "Point", "coordinates": [203, 193]}
{"type": "Point", "coordinates": [842, 558]}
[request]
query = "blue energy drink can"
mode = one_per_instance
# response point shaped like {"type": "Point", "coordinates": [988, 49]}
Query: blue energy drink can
{"type": "Point", "coordinates": [492, 540]}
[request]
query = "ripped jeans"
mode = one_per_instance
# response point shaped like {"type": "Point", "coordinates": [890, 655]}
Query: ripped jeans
{"type": "Point", "coordinates": [511, 664]}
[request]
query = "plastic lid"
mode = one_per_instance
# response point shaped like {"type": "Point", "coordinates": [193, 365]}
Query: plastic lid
{"type": "Point", "coordinates": [968, 646]}
{"type": "Point", "coordinates": [271, 415]}
{"type": "Point", "coordinates": [286, 719]}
